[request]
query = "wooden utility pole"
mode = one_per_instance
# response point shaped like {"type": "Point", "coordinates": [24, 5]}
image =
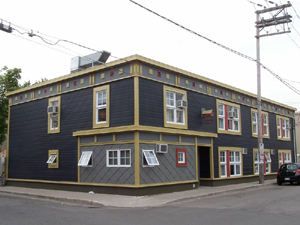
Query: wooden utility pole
{"type": "Point", "coordinates": [261, 23]}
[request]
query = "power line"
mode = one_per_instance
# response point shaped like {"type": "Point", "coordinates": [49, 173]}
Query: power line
{"type": "Point", "coordinates": [220, 45]}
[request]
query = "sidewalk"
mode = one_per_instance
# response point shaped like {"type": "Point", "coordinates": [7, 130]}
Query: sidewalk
{"type": "Point", "coordinates": [109, 200]}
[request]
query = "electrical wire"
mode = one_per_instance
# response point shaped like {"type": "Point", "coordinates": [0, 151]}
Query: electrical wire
{"type": "Point", "coordinates": [220, 45]}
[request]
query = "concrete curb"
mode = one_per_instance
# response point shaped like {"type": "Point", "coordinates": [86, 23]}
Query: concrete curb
{"type": "Point", "coordinates": [133, 202]}
{"type": "Point", "coordinates": [55, 198]}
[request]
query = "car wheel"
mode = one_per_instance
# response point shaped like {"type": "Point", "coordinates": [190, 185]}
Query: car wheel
{"type": "Point", "coordinates": [279, 182]}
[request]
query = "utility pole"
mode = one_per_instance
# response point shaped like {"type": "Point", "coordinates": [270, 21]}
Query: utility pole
{"type": "Point", "coordinates": [260, 25]}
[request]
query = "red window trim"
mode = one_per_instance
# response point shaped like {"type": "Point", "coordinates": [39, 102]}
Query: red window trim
{"type": "Point", "coordinates": [185, 157]}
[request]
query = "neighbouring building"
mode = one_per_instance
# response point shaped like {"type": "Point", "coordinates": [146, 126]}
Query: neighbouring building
{"type": "Point", "coordinates": [137, 126]}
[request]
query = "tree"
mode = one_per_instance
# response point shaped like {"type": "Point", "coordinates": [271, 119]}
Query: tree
{"type": "Point", "coordinates": [9, 81]}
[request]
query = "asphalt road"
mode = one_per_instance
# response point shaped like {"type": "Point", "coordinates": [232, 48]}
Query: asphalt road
{"type": "Point", "coordinates": [267, 205]}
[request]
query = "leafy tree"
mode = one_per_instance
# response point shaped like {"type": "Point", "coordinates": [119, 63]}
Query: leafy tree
{"type": "Point", "coordinates": [9, 81]}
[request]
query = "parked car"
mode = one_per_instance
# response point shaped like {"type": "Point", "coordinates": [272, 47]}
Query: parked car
{"type": "Point", "coordinates": [288, 173]}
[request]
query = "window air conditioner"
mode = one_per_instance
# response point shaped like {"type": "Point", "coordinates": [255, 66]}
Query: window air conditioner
{"type": "Point", "coordinates": [52, 109]}
{"type": "Point", "coordinates": [231, 114]}
{"type": "Point", "coordinates": [272, 151]}
{"type": "Point", "coordinates": [161, 148]}
{"type": "Point", "coordinates": [181, 104]}
{"type": "Point", "coordinates": [245, 151]}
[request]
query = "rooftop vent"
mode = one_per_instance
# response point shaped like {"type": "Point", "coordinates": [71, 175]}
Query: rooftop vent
{"type": "Point", "coordinates": [80, 63]}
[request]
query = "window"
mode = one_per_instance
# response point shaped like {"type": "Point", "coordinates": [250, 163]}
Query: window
{"type": "Point", "coordinates": [229, 120]}
{"type": "Point", "coordinates": [149, 158]}
{"type": "Point", "coordinates": [284, 156]}
{"type": "Point", "coordinates": [118, 158]}
{"type": "Point", "coordinates": [101, 107]}
{"type": "Point", "coordinates": [264, 124]}
{"type": "Point", "coordinates": [175, 110]}
{"type": "Point", "coordinates": [86, 159]}
{"type": "Point", "coordinates": [53, 159]}
{"type": "Point", "coordinates": [283, 128]}
{"type": "Point", "coordinates": [53, 111]}
{"type": "Point", "coordinates": [230, 162]}
{"type": "Point", "coordinates": [181, 158]}
{"type": "Point", "coordinates": [267, 161]}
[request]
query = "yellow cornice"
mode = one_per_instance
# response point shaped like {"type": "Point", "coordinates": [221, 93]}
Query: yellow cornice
{"type": "Point", "coordinates": [133, 128]}
{"type": "Point", "coordinates": [151, 62]}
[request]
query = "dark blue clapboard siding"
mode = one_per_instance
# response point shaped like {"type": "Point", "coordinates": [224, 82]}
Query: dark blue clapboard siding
{"type": "Point", "coordinates": [247, 141]}
{"type": "Point", "coordinates": [29, 141]}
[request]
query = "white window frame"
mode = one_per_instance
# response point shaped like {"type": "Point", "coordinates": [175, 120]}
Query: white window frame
{"type": "Point", "coordinates": [268, 162]}
{"type": "Point", "coordinates": [223, 163]}
{"type": "Point", "coordinates": [101, 106]}
{"type": "Point", "coordinates": [283, 132]}
{"type": "Point", "coordinates": [234, 119]}
{"type": "Point", "coordinates": [265, 124]}
{"type": "Point", "coordinates": [235, 163]}
{"type": "Point", "coordinates": [173, 107]}
{"type": "Point", "coordinates": [52, 158]}
{"type": "Point", "coordinates": [85, 158]}
{"type": "Point", "coordinates": [150, 160]}
{"type": "Point", "coordinates": [54, 115]}
{"type": "Point", "coordinates": [118, 157]}
{"type": "Point", "coordinates": [181, 157]}
{"type": "Point", "coordinates": [221, 108]}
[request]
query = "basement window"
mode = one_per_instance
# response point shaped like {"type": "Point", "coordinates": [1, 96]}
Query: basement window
{"type": "Point", "coordinates": [86, 159]}
{"type": "Point", "coordinates": [53, 159]}
{"type": "Point", "coordinates": [149, 158]}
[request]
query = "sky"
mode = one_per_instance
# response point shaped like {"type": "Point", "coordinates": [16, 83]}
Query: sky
{"type": "Point", "coordinates": [125, 29]}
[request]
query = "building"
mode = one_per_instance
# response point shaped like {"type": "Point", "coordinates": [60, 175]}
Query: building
{"type": "Point", "coordinates": [297, 129]}
{"type": "Point", "coordinates": [137, 126]}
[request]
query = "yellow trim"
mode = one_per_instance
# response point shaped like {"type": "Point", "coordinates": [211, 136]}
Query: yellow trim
{"type": "Point", "coordinates": [265, 150]}
{"type": "Point", "coordinates": [282, 138]}
{"type": "Point", "coordinates": [78, 157]}
{"type": "Point", "coordinates": [264, 113]}
{"type": "Point", "coordinates": [136, 102]}
{"type": "Point", "coordinates": [166, 124]}
{"type": "Point", "coordinates": [212, 167]}
{"type": "Point", "coordinates": [196, 159]}
{"type": "Point", "coordinates": [237, 149]}
{"type": "Point", "coordinates": [53, 165]}
{"type": "Point", "coordinates": [240, 119]}
{"type": "Point", "coordinates": [136, 158]}
{"type": "Point", "coordinates": [143, 128]}
{"type": "Point", "coordinates": [208, 88]}
{"type": "Point", "coordinates": [97, 89]}
{"type": "Point", "coordinates": [102, 184]}
{"type": "Point", "coordinates": [283, 151]}
{"type": "Point", "coordinates": [244, 176]}
{"type": "Point", "coordinates": [59, 88]}
{"type": "Point", "coordinates": [148, 61]}
{"type": "Point", "coordinates": [54, 131]}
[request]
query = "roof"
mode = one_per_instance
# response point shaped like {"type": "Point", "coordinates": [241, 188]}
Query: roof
{"type": "Point", "coordinates": [148, 61]}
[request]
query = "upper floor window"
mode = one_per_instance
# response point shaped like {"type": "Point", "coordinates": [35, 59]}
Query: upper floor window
{"type": "Point", "coordinates": [264, 124]}
{"type": "Point", "coordinates": [101, 107]}
{"type": "Point", "coordinates": [229, 120]}
{"type": "Point", "coordinates": [283, 128]}
{"type": "Point", "coordinates": [175, 109]}
{"type": "Point", "coordinates": [53, 111]}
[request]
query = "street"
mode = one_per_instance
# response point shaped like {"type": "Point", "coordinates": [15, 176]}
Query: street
{"type": "Point", "coordinates": [266, 205]}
